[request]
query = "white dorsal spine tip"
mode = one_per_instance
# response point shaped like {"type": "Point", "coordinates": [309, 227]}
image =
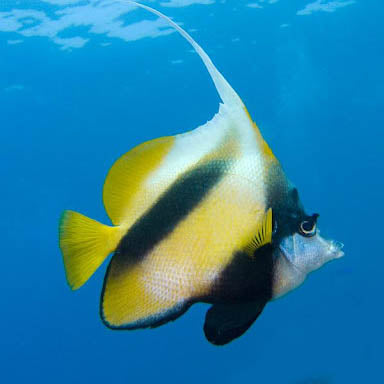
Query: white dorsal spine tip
{"type": "Point", "coordinates": [225, 91]}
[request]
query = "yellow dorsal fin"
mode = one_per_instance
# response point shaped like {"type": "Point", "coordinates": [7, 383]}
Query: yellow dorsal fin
{"type": "Point", "coordinates": [85, 244]}
{"type": "Point", "coordinates": [262, 236]}
{"type": "Point", "coordinates": [127, 175]}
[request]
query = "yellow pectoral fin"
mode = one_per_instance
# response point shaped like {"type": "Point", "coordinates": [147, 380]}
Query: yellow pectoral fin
{"type": "Point", "coordinates": [263, 234]}
{"type": "Point", "coordinates": [85, 244]}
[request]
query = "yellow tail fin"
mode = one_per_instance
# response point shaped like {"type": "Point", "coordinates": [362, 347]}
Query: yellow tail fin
{"type": "Point", "coordinates": [85, 244]}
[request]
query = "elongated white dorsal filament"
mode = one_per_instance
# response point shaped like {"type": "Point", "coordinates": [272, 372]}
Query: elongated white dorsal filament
{"type": "Point", "coordinates": [225, 91]}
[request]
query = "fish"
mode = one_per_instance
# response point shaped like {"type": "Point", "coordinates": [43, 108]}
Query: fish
{"type": "Point", "coordinates": [206, 216]}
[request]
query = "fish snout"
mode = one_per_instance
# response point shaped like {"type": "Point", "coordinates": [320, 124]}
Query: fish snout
{"type": "Point", "coordinates": [335, 249]}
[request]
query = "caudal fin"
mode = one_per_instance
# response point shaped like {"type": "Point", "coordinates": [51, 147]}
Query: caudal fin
{"type": "Point", "coordinates": [85, 244]}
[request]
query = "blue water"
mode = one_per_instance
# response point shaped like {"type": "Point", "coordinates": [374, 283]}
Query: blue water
{"type": "Point", "coordinates": [78, 89]}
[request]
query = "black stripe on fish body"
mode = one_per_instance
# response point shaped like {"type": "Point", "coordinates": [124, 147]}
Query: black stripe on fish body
{"type": "Point", "coordinates": [245, 278]}
{"type": "Point", "coordinates": [171, 208]}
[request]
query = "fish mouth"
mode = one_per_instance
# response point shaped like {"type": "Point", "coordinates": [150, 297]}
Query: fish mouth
{"type": "Point", "coordinates": [335, 249]}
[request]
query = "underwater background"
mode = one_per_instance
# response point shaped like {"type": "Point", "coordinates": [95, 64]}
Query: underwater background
{"type": "Point", "coordinates": [82, 82]}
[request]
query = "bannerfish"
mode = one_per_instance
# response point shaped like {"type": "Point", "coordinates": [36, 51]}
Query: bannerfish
{"type": "Point", "coordinates": [204, 216]}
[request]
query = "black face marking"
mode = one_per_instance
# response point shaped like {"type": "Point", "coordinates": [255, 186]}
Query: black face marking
{"type": "Point", "coordinates": [284, 200]}
{"type": "Point", "coordinates": [289, 217]}
{"type": "Point", "coordinates": [170, 209]}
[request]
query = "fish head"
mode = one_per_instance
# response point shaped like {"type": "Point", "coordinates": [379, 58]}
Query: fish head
{"type": "Point", "coordinates": [298, 237]}
{"type": "Point", "coordinates": [299, 247]}
{"type": "Point", "coordinates": [307, 251]}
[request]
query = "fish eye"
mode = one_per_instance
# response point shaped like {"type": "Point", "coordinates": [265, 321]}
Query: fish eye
{"type": "Point", "coordinates": [308, 226]}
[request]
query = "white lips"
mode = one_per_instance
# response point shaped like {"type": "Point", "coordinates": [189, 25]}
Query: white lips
{"type": "Point", "coordinates": [335, 248]}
